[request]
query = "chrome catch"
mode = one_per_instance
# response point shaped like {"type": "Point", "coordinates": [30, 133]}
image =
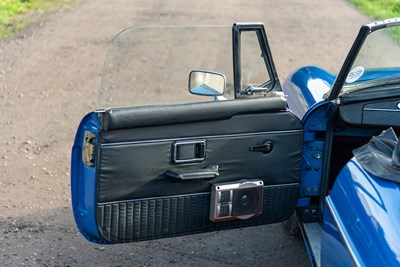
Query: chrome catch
{"type": "Point", "coordinates": [88, 148]}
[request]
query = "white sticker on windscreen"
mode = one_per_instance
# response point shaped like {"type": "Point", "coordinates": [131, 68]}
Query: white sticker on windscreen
{"type": "Point", "coordinates": [355, 74]}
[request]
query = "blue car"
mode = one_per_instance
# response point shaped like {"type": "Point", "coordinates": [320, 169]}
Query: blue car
{"type": "Point", "coordinates": [194, 132]}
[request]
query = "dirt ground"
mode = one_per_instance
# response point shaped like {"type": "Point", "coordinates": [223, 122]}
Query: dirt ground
{"type": "Point", "coordinates": [49, 78]}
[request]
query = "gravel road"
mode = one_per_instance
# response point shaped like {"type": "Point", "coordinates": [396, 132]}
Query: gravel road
{"type": "Point", "coordinates": [49, 78]}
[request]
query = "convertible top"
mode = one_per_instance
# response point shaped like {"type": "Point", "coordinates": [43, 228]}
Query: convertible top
{"type": "Point", "coordinates": [381, 156]}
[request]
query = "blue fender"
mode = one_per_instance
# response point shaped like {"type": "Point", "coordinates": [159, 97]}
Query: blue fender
{"type": "Point", "coordinates": [361, 221]}
{"type": "Point", "coordinates": [306, 87]}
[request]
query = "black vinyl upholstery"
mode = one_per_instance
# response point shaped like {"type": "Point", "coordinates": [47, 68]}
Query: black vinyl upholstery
{"type": "Point", "coordinates": [134, 154]}
{"type": "Point", "coordinates": [204, 111]}
{"type": "Point", "coordinates": [152, 218]}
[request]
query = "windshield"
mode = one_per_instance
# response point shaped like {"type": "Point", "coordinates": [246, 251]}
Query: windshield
{"type": "Point", "coordinates": [151, 65]}
{"type": "Point", "coordinates": [377, 63]}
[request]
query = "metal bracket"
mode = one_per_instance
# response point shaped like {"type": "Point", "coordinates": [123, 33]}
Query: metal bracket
{"type": "Point", "coordinates": [88, 148]}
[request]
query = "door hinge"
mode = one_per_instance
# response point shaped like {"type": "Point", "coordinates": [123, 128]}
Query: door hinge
{"type": "Point", "coordinates": [89, 141]}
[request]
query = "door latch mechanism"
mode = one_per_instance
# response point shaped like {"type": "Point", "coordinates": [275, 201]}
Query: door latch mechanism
{"type": "Point", "coordinates": [89, 140]}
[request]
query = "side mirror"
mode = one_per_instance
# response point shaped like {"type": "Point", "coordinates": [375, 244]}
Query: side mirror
{"type": "Point", "coordinates": [206, 83]}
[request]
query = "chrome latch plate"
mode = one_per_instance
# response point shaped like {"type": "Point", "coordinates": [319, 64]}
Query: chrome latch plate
{"type": "Point", "coordinates": [88, 148]}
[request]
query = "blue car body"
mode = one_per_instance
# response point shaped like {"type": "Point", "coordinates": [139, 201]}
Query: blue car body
{"type": "Point", "coordinates": [347, 221]}
{"type": "Point", "coordinates": [361, 208]}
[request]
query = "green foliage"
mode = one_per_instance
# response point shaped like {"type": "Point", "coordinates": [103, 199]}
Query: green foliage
{"type": "Point", "coordinates": [16, 14]}
{"type": "Point", "coordinates": [380, 9]}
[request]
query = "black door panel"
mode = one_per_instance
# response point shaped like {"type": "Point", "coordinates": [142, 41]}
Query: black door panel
{"type": "Point", "coordinates": [138, 170]}
{"type": "Point", "coordinates": [136, 197]}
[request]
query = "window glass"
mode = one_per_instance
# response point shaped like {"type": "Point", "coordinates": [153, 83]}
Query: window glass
{"type": "Point", "coordinates": [253, 69]}
{"type": "Point", "coordinates": [151, 65]}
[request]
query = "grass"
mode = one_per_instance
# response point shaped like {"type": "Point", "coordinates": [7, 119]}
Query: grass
{"type": "Point", "coordinates": [17, 14]}
{"type": "Point", "coordinates": [380, 10]}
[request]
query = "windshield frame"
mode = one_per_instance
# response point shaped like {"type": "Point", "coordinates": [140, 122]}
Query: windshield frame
{"type": "Point", "coordinates": [365, 30]}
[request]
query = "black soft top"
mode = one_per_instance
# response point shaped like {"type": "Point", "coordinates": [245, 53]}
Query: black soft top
{"type": "Point", "coordinates": [381, 156]}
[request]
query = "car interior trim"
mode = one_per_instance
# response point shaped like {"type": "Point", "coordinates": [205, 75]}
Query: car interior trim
{"type": "Point", "coordinates": [183, 195]}
{"type": "Point", "coordinates": [122, 118]}
{"type": "Point", "coordinates": [127, 143]}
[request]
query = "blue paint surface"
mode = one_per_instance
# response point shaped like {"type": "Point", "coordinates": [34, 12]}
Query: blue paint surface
{"type": "Point", "coordinates": [305, 87]}
{"type": "Point", "coordinates": [83, 183]}
{"type": "Point", "coordinates": [368, 208]}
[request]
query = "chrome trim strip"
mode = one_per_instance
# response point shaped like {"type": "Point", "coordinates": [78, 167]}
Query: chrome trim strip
{"type": "Point", "coordinates": [382, 109]}
{"type": "Point", "coordinates": [342, 232]}
{"type": "Point", "coordinates": [182, 195]}
{"type": "Point", "coordinates": [198, 137]}
{"type": "Point", "coordinates": [312, 233]}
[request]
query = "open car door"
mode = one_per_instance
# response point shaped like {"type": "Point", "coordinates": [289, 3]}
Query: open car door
{"type": "Point", "coordinates": [155, 161]}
